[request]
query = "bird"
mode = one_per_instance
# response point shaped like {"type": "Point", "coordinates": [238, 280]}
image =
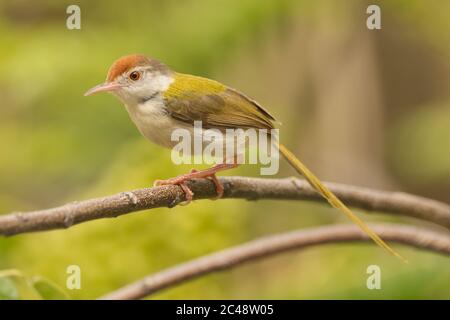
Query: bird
{"type": "Point", "coordinates": [160, 100]}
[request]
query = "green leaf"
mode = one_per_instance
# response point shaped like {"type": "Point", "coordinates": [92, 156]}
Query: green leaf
{"type": "Point", "coordinates": [8, 290]}
{"type": "Point", "coordinates": [48, 290]}
{"type": "Point", "coordinates": [14, 285]}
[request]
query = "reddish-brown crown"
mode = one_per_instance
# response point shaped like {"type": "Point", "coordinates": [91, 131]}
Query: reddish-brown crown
{"type": "Point", "coordinates": [125, 63]}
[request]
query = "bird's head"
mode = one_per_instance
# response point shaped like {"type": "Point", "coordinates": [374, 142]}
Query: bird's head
{"type": "Point", "coordinates": [135, 78]}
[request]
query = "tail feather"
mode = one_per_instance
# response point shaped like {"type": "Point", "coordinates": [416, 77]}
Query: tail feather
{"type": "Point", "coordinates": [333, 200]}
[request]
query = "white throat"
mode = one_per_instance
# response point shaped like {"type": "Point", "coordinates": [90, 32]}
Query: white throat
{"type": "Point", "coordinates": [148, 112]}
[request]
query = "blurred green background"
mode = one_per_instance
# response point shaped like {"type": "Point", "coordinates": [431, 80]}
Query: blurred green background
{"type": "Point", "coordinates": [370, 108]}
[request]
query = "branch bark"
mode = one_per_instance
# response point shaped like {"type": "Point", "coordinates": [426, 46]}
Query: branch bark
{"type": "Point", "coordinates": [229, 258]}
{"type": "Point", "coordinates": [235, 187]}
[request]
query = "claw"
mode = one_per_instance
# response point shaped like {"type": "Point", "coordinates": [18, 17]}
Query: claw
{"type": "Point", "coordinates": [188, 194]}
{"type": "Point", "coordinates": [219, 187]}
{"type": "Point", "coordinates": [195, 174]}
{"type": "Point", "coordinates": [180, 181]}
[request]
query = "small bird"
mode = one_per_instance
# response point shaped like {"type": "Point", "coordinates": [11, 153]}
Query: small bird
{"type": "Point", "coordinates": [160, 101]}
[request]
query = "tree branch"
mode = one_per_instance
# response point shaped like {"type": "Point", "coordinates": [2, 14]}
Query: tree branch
{"type": "Point", "coordinates": [271, 245]}
{"type": "Point", "coordinates": [235, 187]}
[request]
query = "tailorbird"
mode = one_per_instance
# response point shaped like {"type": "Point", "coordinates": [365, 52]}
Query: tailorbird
{"type": "Point", "coordinates": [160, 100]}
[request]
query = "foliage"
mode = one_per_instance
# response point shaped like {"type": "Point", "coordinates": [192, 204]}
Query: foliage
{"type": "Point", "coordinates": [16, 286]}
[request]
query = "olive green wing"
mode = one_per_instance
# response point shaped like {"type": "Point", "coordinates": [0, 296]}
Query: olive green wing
{"type": "Point", "coordinates": [190, 98]}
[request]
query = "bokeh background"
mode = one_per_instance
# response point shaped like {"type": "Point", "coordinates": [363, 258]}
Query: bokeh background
{"type": "Point", "coordinates": [370, 108]}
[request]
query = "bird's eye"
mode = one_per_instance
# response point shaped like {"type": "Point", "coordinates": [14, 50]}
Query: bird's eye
{"type": "Point", "coordinates": [134, 76]}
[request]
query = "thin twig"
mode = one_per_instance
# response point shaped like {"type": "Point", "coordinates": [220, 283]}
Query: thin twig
{"type": "Point", "coordinates": [263, 247]}
{"type": "Point", "coordinates": [235, 187]}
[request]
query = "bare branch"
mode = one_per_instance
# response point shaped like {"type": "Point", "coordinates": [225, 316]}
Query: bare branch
{"type": "Point", "coordinates": [235, 187]}
{"type": "Point", "coordinates": [229, 258]}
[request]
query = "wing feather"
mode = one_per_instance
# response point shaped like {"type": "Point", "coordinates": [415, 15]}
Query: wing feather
{"type": "Point", "coordinates": [190, 98]}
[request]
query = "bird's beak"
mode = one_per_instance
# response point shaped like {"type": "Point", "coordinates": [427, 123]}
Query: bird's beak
{"type": "Point", "coordinates": [103, 87]}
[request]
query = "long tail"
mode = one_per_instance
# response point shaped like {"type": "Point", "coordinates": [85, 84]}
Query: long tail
{"type": "Point", "coordinates": [333, 200]}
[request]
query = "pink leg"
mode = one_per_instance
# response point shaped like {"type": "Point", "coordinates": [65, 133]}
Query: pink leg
{"type": "Point", "coordinates": [194, 174]}
{"type": "Point", "coordinates": [218, 185]}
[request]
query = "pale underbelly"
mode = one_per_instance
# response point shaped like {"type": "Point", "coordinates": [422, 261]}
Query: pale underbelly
{"type": "Point", "coordinates": [161, 129]}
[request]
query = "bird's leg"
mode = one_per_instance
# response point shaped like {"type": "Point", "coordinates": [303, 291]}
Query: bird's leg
{"type": "Point", "coordinates": [198, 174]}
{"type": "Point", "coordinates": [219, 186]}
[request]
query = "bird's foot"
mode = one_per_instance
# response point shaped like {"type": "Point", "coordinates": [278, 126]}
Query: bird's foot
{"type": "Point", "coordinates": [194, 174]}
{"type": "Point", "coordinates": [218, 185]}
{"type": "Point", "coordinates": [180, 181]}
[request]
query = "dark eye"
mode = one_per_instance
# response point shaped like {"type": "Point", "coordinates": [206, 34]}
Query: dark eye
{"type": "Point", "coordinates": [134, 76]}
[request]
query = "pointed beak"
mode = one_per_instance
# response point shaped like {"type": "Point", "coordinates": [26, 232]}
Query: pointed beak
{"type": "Point", "coordinates": [103, 87]}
